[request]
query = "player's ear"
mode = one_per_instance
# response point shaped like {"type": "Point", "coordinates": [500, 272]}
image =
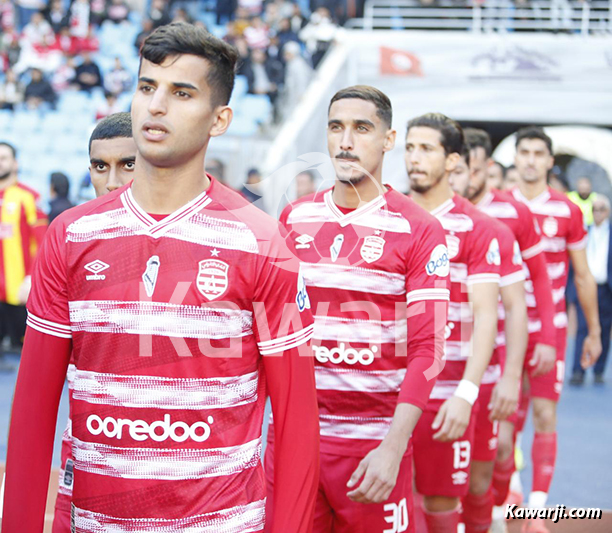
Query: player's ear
{"type": "Point", "coordinates": [451, 161]}
{"type": "Point", "coordinates": [223, 119]}
{"type": "Point", "coordinates": [389, 143]}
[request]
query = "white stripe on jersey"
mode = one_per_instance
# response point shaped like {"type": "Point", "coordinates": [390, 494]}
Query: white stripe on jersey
{"type": "Point", "coordinates": [515, 277]}
{"type": "Point", "coordinates": [458, 272]}
{"type": "Point", "coordinates": [533, 251]}
{"type": "Point", "coordinates": [460, 312]}
{"type": "Point", "coordinates": [351, 278]}
{"type": "Point", "coordinates": [499, 210]}
{"type": "Point", "coordinates": [560, 320]}
{"type": "Point", "coordinates": [165, 393]}
{"type": "Point", "coordinates": [419, 295]}
{"type": "Point", "coordinates": [558, 295]}
{"type": "Point", "coordinates": [287, 342]}
{"type": "Point", "coordinates": [159, 318]}
{"type": "Point", "coordinates": [555, 270]}
{"type": "Point", "coordinates": [491, 375]}
{"type": "Point", "coordinates": [554, 244]}
{"type": "Point", "coordinates": [319, 213]}
{"type": "Point", "coordinates": [352, 380]}
{"type": "Point", "coordinates": [239, 519]}
{"type": "Point", "coordinates": [331, 328]}
{"type": "Point", "coordinates": [48, 327]}
{"type": "Point", "coordinates": [457, 350]}
{"type": "Point", "coordinates": [456, 222]}
{"type": "Point", "coordinates": [580, 245]}
{"type": "Point", "coordinates": [352, 427]}
{"type": "Point", "coordinates": [550, 208]}
{"type": "Point", "coordinates": [164, 463]}
{"type": "Point", "coordinates": [445, 389]}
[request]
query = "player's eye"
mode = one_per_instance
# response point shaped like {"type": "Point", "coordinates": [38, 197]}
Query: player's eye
{"type": "Point", "coordinates": [129, 165]}
{"type": "Point", "coordinates": [146, 88]}
{"type": "Point", "coordinates": [100, 167]}
{"type": "Point", "coordinates": [183, 94]}
{"type": "Point", "coordinates": [362, 128]}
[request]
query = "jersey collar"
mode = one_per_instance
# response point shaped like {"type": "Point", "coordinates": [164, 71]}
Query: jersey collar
{"type": "Point", "coordinates": [350, 218]}
{"type": "Point", "coordinates": [444, 208]}
{"type": "Point", "coordinates": [156, 228]}
{"type": "Point", "coordinates": [541, 198]}
{"type": "Point", "coordinates": [486, 200]}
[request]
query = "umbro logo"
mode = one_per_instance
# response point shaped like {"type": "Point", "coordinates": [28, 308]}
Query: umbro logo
{"type": "Point", "coordinates": [95, 267]}
{"type": "Point", "coordinates": [303, 241]}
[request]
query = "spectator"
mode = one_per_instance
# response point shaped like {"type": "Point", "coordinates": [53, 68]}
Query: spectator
{"type": "Point", "coordinates": [599, 257]}
{"type": "Point", "coordinates": [117, 11]}
{"type": "Point", "coordinates": [57, 15]}
{"type": "Point", "coordinates": [298, 21]}
{"type": "Point", "coordinates": [583, 197]}
{"type": "Point", "coordinates": [109, 107]}
{"type": "Point", "coordinates": [38, 32]}
{"type": "Point", "coordinates": [256, 34]}
{"type": "Point", "coordinates": [264, 75]}
{"type": "Point", "coordinates": [39, 93]}
{"type": "Point", "coordinates": [26, 9]}
{"type": "Point", "coordinates": [495, 176]}
{"type": "Point", "coordinates": [63, 77]}
{"type": "Point", "coordinates": [159, 13]}
{"type": "Point", "coordinates": [297, 75]}
{"type": "Point", "coordinates": [97, 12]}
{"type": "Point", "coordinates": [251, 189]}
{"type": "Point", "coordinates": [225, 11]}
{"type": "Point", "coordinates": [60, 189]}
{"type": "Point", "coordinates": [512, 178]}
{"type": "Point", "coordinates": [286, 34]}
{"type": "Point", "coordinates": [147, 28]}
{"type": "Point", "coordinates": [80, 13]}
{"type": "Point", "coordinates": [318, 34]}
{"type": "Point", "coordinates": [181, 15]}
{"type": "Point", "coordinates": [66, 43]}
{"type": "Point", "coordinates": [305, 184]}
{"type": "Point", "coordinates": [7, 16]}
{"type": "Point", "coordinates": [251, 7]}
{"type": "Point", "coordinates": [11, 91]}
{"type": "Point", "coordinates": [118, 80]}
{"type": "Point", "coordinates": [88, 74]}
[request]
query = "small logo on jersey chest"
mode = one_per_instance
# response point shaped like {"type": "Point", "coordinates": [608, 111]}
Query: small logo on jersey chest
{"type": "Point", "coordinates": [372, 248]}
{"type": "Point", "coordinates": [550, 226]}
{"type": "Point", "coordinates": [334, 249]}
{"type": "Point", "coordinates": [212, 280]}
{"type": "Point", "coordinates": [150, 275]}
{"type": "Point", "coordinates": [303, 242]}
{"type": "Point", "coordinates": [95, 267]}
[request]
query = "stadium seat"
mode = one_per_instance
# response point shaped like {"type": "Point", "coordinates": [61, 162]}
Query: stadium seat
{"type": "Point", "coordinates": [255, 107]}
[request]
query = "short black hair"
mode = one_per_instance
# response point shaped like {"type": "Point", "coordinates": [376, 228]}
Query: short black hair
{"type": "Point", "coordinates": [384, 111]}
{"type": "Point", "coordinates": [534, 132]}
{"type": "Point", "coordinates": [179, 38]}
{"type": "Point", "coordinates": [111, 127]}
{"type": "Point", "coordinates": [476, 138]}
{"type": "Point", "coordinates": [452, 135]}
{"type": "Point", "coordinates": [60, 184]}
{"type": "Point", "coordinates": [10, 147]}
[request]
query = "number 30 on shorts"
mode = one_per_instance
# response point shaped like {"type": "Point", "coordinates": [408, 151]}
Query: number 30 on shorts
{"type": "Point", "coordinates": [398, 516]}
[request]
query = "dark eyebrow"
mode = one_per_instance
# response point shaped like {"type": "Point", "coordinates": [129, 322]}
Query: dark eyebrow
{"type": "Point", "coordinates": [363, 122]}
{"type": "Point", "coordinates": [334, 121]}
{"type": "Point", "coordinates": [129, 159]}
{"type": "Point", "coordinates": [147, 80]}
{"type": "Point", "coordinates": [176, 84]}
{"type": "Point", "coordinates": [97, 162]}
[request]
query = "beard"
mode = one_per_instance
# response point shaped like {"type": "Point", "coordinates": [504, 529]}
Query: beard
{"type": "Point", "coordinates": [5, 175]}
{"type": "Point", "coordinates": [351, 180]}
{"type": "Point", "coordinates": [422, 188]}
{"type": "Point", "coordinates": [475, 192]}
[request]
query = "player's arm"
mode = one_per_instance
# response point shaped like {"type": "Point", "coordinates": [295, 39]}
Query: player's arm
{"type": "Point", "coordinates": [504, 399]}
{"type": "Point", "coordinates": [587, 296]}
{"type": "Point", "coordinates": [454, 416]}
{"type": "Point", "coordinates": [427, 306]}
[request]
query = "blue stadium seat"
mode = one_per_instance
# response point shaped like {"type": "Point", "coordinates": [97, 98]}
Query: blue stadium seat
{"type": "Point", "coordinates": [241, 86]}
{"type": "Point", "coordinates": [242, 127]}
{"type": "Point", "coordinates": [26, 122]}
{"type": "Point", "coordinates": [56, 123]}
{"type": "Point", "coordinates": [255, 107]}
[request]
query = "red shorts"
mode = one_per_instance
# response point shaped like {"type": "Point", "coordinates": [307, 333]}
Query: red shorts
{"type": "Point", "coordinates": [549, 385]}
{"type": "Point", "coordinates": [442, 468]}
{"type": "Point", "coordinates": [61, 521]}
{"type": "Point", "coordinates": [485, 432]}
{"type": "Point", "coordinates": [334, 511]}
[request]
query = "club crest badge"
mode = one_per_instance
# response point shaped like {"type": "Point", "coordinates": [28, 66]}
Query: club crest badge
{"type": "Point", "coordinates": [212, 280]}
{"type": "Point", "coordinates": [372, 248]}
{"type": "Point", "coordinates": [550, 227]}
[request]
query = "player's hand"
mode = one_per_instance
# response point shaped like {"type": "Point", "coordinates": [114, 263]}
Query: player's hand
{"type": "Point", "coordinates": [379, 470]}
{"type": "Point", "coordinates": [504, 398]}
{"type": "Point", "coordinates": [591, 350]}
{"type": "Point", "coordinates": [543, 360]}
{"type": "Point", "coordinates": [24, 290]}
{"type": "Point", "coordinates": [452, 419]}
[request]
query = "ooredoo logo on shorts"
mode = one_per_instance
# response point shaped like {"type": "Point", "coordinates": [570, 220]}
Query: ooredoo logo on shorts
{"type": "Point", "coordinates": [341, 354]}
{"type": "Point", "coordinates": [158, 431]}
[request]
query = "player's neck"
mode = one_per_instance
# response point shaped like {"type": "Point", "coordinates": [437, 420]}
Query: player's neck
{"type": "Point", "coordinates": [6, 183]}
{"type": "Point", "coordinates": [532, 189]}
{"type": "Point", "coordinates": [475, 200]}
{"type": "Point", "coordinates": [351, 196]}
{"type": "Point", "coordinates": [161, 191]}
{"type": "Point", "coordinates": [434, 197]}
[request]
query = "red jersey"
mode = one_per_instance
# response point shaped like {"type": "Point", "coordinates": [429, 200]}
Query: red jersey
{"type": "Point", "coordinates": [474, 253]}
{"type": "Point", "coordinates": [168, 321]}
{"type": "Point", "coordinates": [563, 229]}
{"type": "Point", "coordinates": [22, 228]}
{"type": "Point", "coordinates": [376, 276]}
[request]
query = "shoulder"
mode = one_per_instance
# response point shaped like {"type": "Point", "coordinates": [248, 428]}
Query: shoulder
{"type": "Point", "coordinates": [28, 190]}
{"type": "Point", "coordinates": [93, 207]}
{"type": "Point", "coordinates": [418, 218]}
{"type": "Point", "coordinates": [303, 205]}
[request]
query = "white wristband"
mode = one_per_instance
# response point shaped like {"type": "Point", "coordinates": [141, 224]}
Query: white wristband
{"type": "Point", "coordinates": [467, 390]}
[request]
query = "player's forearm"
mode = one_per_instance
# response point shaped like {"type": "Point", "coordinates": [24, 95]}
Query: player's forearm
{"type": "Point", "coordinates": [513, 299]}
{"type": "Point", "coordinates": [292, 391]}
{"type": "Point", "coordinates": [485, 330]}
{"type": "Point", "coordinates": [404, 420]}
{"type": "Point", "coordinates": [587, 296]}
{"type": "Point", "coordinates": [44, 360]}
{"type": "Point", "coordinates": [542, 291]}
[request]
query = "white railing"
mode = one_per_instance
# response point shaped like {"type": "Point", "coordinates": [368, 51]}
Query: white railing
{"type": "Point", "coordinates": [570, 16]}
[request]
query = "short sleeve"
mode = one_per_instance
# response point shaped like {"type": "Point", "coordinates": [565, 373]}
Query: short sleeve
{"type": "Point", "coordinates": [428, 268]}
{"type": "Point", "coordinates": [529, 235]}
{"type": "Point", "coordinates": [577, 234]}
{"type": "Point", "coordinates": [47, 305]}
{"type": "Point", "coordinates": [283, 319]}
{"type": "Point", "coordinates": [511, 267]}
{"type": "Point", "coordinates": [484, 257]}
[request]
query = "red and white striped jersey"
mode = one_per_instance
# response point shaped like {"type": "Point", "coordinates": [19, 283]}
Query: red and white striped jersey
{"type": "Point", "coordinates": [474, 252]}
{"type": "Point", "coordinates": [563, 229]}
{"type": "Point", "coordinates": [377, 277]}
{"type": "Point", "coordinates": [169, 319]}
